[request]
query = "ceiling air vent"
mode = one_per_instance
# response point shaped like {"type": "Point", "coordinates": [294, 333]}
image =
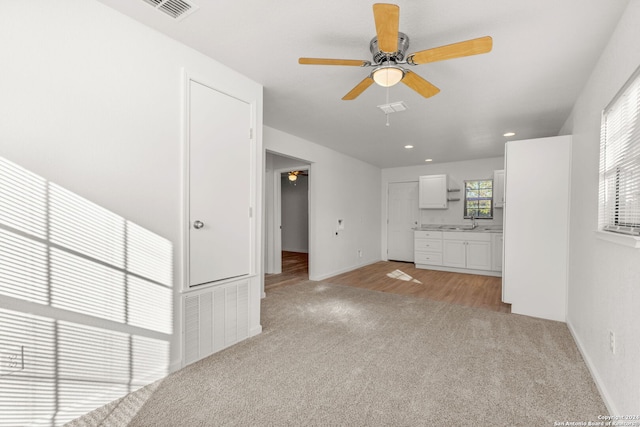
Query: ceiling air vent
{"type": "Point", "coordinates": [177, 9]}
{"type": "Point", "coordinates": [394, 107]}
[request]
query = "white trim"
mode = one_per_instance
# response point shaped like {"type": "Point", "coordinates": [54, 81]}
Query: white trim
{"type": "Point", "coordinates": [459, 270]}
{"type": "Point", "coordinates": [606, 398]}
{"type": "Point", "coordinates": [619, 239]}
{"type": "Point", "coordinates": [187, 78]}
{"type": "Point", "coordinates": [341, 271]}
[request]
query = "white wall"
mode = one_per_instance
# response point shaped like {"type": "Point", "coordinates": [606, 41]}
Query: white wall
{"type": "Point", "coordinates": [340, 187]}
{"type": "Point", "coordinates": [604, 277]}
{"type": "Point", "coordinates": [91, 100]}
{"type": "Point", "coordinates": [457, 172]}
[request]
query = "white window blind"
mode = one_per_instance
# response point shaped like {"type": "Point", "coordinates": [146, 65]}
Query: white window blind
{"type": "Point", "coordinates": [619, 205]}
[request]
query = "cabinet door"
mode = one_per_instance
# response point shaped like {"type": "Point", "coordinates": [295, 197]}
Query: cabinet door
{"type": "Point", "coordinates": [497, 252]}
{"type": "Point", "coordinates": [453, 253]}
{"type": "Point", "coordinates": [433, 192]}
{"type": "Point", "coordinates": [478, 255]}
{"type": "Point", "coordinates": [498, 189]}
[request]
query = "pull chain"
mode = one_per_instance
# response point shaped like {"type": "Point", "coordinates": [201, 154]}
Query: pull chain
{"type": "Point", "coordinates": [387, 114]}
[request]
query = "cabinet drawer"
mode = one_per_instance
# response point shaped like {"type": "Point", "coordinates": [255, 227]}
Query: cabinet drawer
{"type": "Point", "coordinates": [428, 245]}
{"type": "Point", "coordinates": [430, 258]}
{"type": "Point", "coordinates": [428, 234]}
{"type": "Point", "coordinates": [467, 236]}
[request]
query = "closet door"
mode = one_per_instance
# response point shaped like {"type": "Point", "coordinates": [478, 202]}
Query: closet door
{"type": "Point", "coordinates": [219, 186]}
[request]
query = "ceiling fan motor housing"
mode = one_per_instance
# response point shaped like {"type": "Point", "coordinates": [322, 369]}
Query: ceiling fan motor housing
{"type": "Point", "coordinates": [380, 57]}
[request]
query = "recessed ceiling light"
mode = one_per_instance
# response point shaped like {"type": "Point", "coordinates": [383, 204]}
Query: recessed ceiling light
{"type": "Point", "coordinates": [408, 147]}
{"type": "Point", "coordinates": [428, 160]}
{"type": "Point", "coordinates": [509, 134]}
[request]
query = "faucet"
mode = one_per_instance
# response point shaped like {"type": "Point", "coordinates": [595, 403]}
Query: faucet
{"type": "Point", "coordinates": [473, 221]}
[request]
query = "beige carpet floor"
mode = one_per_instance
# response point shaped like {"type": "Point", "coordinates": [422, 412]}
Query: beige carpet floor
{"type": "Point", "coordinates": [334, 355]}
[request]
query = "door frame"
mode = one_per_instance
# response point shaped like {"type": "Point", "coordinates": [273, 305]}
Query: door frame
{"type": "Point", "coordinates": [277, 216]}
{"type": "Point", "coordinates": [254, 254]}
{"type": "Point", "coordinates": [385, 221]}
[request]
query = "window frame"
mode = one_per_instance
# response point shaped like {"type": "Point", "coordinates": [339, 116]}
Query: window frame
{"type": "Point", "coordinates": [465, 212]}
{"type": "Point", "coordinates": [620, 140]}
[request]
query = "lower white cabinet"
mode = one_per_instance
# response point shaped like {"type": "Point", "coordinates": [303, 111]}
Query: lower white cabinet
{"type": "Point", "coordinates": [459, 251]}
{"type": "Point", "coordinates": [466, 250]}
{"type": "Point", "coordinates": [427, 249]}
{"type": "Point", "coordinates": [497, 240]}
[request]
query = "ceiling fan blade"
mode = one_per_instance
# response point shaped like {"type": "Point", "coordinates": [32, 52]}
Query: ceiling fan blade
{"type": "Point", "coordinates": [455, 50]}
{"type": "Point", "coordinates": [356, 91]}
{"type": "Point", "coordinates": [323, 61]}
{"type": "Point", "coordinates": [387, 17]}
{"type": "Point", "coordinates": [419, 84]}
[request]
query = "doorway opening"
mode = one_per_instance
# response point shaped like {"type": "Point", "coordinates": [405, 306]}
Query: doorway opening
{"type": "Point", "coordinates": [287, 248]}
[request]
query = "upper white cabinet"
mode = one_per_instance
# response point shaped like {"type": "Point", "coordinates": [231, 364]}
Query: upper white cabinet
{"type": "Point", "coordinates": [498, 189]}
{"type": "Point", "coordinates": [433, 192]}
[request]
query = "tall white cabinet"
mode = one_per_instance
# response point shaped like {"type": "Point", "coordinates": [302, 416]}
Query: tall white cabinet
{"type": "Point", "coordinates": [536, 220]}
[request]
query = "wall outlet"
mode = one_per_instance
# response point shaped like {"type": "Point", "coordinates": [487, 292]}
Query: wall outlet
{"type": "Point", "coordinates": [11, 359]}
{"type": "Point", "coordinates": [612, 342]}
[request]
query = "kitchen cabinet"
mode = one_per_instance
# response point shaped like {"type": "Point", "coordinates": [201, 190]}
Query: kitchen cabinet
{"type": "Point", "coordinates": [496, 244]}
{"type": "Point", "coordinates": [427, 248]}
{"type": "Point", "coordinates": [466, 250]}
{"type": "Point", "coordinates": [433, 192]}
{"type": "Point", "coordinates": [498, 189]}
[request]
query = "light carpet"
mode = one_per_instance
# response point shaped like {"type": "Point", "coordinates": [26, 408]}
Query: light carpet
{"type": "Point", "coordinates": [337, 355]}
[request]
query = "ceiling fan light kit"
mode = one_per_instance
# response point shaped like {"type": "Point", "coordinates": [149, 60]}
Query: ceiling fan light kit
{"type": "Point", "coordinates": [388, 75]}
{"type": "Point", "coordinates": [388, 49]}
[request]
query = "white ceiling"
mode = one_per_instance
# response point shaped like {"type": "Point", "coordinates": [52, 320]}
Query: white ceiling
{"type": "Point", "coordinates": [543, 53]}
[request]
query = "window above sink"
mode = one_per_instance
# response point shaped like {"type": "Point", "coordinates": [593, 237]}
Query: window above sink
{"type": "Point", "coordinates": [478, 199]}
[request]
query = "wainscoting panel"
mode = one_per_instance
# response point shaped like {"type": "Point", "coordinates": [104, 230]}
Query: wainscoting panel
{"type": "Point", "coordinates": [215, 318]}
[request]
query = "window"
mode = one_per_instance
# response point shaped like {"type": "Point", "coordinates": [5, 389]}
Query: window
{"type": "Point", "coordinates": [478, 198]}
{"type": "Point", "coordinates": [619, 202]}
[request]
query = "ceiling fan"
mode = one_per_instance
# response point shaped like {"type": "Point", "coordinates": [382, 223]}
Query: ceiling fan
{"type": "Point", "coordinates": [293, 175]}
{"type": "Point", "coordinates": [389, 48]}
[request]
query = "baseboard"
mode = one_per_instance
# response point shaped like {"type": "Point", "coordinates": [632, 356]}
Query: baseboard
{"type": "Point", "coordinates": [460, 270]}
{"type": "Point", "coordinates": [296, 250]}
{"type": "Point", "coordinates": [255, 331]}
{"type": "Point", "coordinates": [341, 271]}
{"type": "Point", "coordinates": [594, 372]}
{"type": "Point", "coordinates": [175, 365]}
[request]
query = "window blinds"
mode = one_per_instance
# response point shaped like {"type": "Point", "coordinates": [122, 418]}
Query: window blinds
{"type": "Point", "coordinates": [619, 204]}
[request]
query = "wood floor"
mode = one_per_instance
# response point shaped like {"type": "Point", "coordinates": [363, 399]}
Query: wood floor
{"type": "Point", "coordinates": [403, 279]}
{"type": "Point", "coordinates": [295, 269]}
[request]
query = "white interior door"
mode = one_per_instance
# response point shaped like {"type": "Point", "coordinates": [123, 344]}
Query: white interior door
{"type": "Point", "coordinates": [403, 213]}
{"type": "Point", "coordinates": [219, 186]}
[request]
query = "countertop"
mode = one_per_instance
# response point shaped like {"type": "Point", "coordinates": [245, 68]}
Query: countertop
{"type": "Point", "coordinates": [494, 228]}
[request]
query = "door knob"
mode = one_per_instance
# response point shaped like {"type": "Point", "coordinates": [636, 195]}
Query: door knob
{"type": "Point", "coordinates": [198, 225]}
